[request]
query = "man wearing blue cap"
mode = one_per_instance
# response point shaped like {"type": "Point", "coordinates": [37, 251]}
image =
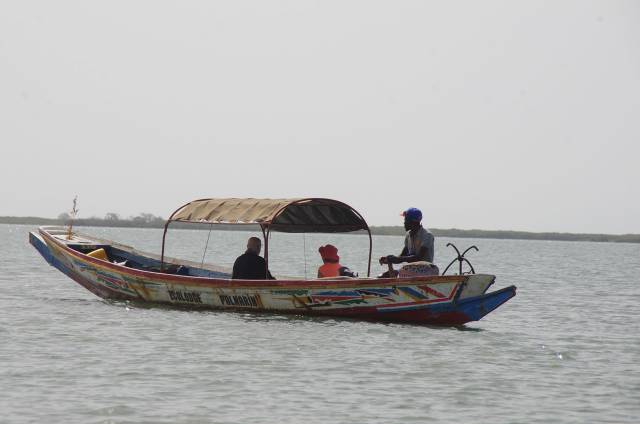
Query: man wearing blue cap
{"type": "Point", "coordinates": [418, 243]}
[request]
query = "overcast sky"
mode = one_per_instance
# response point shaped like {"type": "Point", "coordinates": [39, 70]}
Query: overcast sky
{"type": "Point", "coordinates": [492, 115]}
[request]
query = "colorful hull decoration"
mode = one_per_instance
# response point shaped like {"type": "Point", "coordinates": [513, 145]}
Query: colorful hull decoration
{"type": "Point", "coordinates": [438, 300]}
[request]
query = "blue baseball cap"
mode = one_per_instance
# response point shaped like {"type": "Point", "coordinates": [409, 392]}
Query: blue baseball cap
{"type": "Point", "coordinates": [413, 214]}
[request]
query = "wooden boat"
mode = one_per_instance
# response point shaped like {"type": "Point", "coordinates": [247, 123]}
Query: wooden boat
{"type": "Point", "coordinates": [120, 272]}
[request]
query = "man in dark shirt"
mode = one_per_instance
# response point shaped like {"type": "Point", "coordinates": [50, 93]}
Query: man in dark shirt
{"type": "Point", "coordinates": [250, 265]}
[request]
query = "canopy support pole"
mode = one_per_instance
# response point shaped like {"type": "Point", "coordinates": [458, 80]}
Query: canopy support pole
{"type": "Point", "coordinates": [370, 249]}
{"type": "Point", "coordinates": [164, 236]}
{"type": "Point", "coordinates": [266, 251]}
{"type": "Point", "coordinates": [304, 247]}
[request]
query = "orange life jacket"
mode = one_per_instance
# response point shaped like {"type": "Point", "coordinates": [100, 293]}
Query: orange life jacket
{"type": "Point", "coordinates": [329, 269]}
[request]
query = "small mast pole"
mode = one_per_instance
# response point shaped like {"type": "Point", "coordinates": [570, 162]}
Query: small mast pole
{"type": "Point", "coordinates": [72, 216]}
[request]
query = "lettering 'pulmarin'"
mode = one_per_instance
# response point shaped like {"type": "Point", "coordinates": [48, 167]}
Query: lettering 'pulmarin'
{"type": "Point", "coordinates": [242, 300]}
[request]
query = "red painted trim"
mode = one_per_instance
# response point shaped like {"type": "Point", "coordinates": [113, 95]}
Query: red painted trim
{"type": "Point", "coordinates": [432, 291]}
{"type": "Point", "coordinates": [422, 302]}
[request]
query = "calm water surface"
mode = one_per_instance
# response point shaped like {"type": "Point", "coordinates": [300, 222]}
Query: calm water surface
{"type": "Point", "coordinates": [566, 349]}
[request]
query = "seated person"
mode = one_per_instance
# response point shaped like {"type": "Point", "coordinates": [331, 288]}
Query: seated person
{"type": "Point", "coordinates": [418, 242]}
{"type": "Point", "coordinates": [332, 267]}
{"type": "Point", "coordinates": [250, 265]}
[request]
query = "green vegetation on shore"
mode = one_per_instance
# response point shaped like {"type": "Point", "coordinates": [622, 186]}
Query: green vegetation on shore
{"type": "Point", "coordinates": [516, 235]}
{"type": "Point", "coordinates": [146, 220]}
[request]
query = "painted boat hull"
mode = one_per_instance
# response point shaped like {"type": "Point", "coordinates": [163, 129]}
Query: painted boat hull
{"type": "Point", "coordinates": [433, 300]}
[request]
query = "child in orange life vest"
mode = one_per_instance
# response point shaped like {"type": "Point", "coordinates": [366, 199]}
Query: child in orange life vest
{"type": "Point", "coordinates": [332, 267]}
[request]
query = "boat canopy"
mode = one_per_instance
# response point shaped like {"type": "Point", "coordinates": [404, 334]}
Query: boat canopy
{"type": "Point", "coordinates": [300, 215]}
{"type": "Point", "coordinates": [304, 215]}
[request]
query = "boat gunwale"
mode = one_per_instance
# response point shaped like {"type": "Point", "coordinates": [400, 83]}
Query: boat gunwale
{"type": "Point", "coordinates": [260, 284]}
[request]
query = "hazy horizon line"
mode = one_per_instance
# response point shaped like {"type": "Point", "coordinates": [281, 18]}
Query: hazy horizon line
{"type": "Point", "coordinates": [393, 230]}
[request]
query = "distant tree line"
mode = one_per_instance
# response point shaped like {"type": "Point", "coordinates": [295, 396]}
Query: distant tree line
{"type": "Point", "coordinates": [515, 235]}
{"type": "Point", "coordinates": [147, 220]}
{"type": "Point", "coordinates": [112, 219]}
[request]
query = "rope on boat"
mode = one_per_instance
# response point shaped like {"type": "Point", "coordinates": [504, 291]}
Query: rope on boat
{"type": "Point", "coordinates": [304, 243]}
{"type": "Point", "coordinates": [206, 245]}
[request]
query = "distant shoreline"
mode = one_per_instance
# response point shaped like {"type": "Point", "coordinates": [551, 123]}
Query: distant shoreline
{"type": "Point", "coordinates": [157, 222]}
